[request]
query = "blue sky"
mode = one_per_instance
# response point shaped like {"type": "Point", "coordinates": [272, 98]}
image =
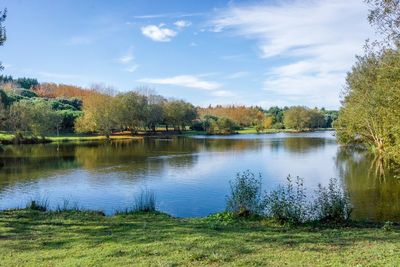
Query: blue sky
{"type": "Point", "coordinates": [206, 52]}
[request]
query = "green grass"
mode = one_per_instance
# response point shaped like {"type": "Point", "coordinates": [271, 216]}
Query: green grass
{"type": "Point", "coordinates": [74, 238]}
{"type": "Point", "coordinates": [6, 136]}
{"type": "Point", "coordinates": [252, 130]}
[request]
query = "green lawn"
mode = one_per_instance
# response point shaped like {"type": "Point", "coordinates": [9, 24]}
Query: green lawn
{"type": "Point", "coordinates": [33, 238]}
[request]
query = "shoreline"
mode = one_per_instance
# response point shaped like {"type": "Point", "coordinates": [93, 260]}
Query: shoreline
{"type": "Point", "coordinates": [8, 138]}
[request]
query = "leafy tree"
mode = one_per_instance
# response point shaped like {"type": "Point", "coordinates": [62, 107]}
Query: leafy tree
{"type": "Point", "coordinates": [385, 16]}
{"type": "Point", "coordinates": [131, 110]}
{"type": "Point", "coordinates": [36, 117]}
{"type": "Point", "coordinates": [297, 118]}
{"type": "Point", "coordinates": [302, 118]}
{"type": "Point", "coordinates": [99, 115]}
{"type": "Point", "coordinates": [155, 113]}
{"type": "Point", "coordinates": [370, 112]}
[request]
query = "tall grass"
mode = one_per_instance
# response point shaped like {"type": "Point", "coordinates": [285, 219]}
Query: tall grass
{"type": "Point", "coordinates": [145, 202]}
{"type": "Point", "coordinates": [39, 204]}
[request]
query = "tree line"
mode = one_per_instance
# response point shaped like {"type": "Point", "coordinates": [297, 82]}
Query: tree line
{"type": "Point", "coordinates": [42, 109]}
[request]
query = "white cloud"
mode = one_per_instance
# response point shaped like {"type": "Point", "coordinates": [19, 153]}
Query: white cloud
{"type": "Point", "coordinates": [313, 43]}
{"type": "Point", "coordinates": [158, 33]}
{"type": "Point", "coordinates": [184, 81]}
{"type": "Point", "coordinates": [132, 68]}
{"type": "Point", "coordinates": [182, 24]}
{"type": "Point", "coordinates": [223, 93]}
{"type": "Point", "coordinates": [128, 57]}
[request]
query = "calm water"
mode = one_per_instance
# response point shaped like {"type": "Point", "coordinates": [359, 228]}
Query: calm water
{"type": "Point", "coordinates": [190, 176]}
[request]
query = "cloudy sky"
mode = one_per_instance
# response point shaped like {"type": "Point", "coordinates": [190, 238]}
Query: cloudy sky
{"type": "Point", "coordinates": [273, 52]}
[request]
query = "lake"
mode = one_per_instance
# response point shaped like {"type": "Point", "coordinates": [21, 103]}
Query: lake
{"type": "Point", "coordinates": [190, 175]}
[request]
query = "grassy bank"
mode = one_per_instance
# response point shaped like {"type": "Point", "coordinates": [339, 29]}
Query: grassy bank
{"type": "Point", "coordinates": [7, 138]}
{"type": "Point", "coordinates": [33, 238]}
{"type": "Point", "coordinates": [252, 130]}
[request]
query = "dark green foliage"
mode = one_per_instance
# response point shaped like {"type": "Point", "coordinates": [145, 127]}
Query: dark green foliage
{"type": "Point", "coordinates": [26, 93]}
{"type": "Point", "coordinates": [6, 79]}
{"type": "Point", "coordinates": [66, 104]}
{"type": "Point", "coordinates": [68, 118]}
{"type": "Point", "coordinates": [4, 98]}
{"type": "Point", "coordinates": [26, 83]}
{"type": "Point", "coordinates": [216, 125]}
{"type": "Point", "coordinates": [276, 113]}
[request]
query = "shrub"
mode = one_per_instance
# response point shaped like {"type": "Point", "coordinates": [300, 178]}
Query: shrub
{"type": "Point", "coordinates": [245, 197]}
{"type": "Point", "coordinates": [388, 226]}
{"type": "Point", "coordinates": [287, 204]}
{"type": "Point", "coordinates": [332, 203]}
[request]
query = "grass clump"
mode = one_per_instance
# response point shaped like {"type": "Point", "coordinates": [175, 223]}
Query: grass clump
{"type": "Point", "coordinates": [145, 202]}
{"type": "Point", "coordinates": [39, 205]}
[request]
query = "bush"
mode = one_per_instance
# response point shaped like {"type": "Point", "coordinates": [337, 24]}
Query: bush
{"type": "Point", "coordinates": [332, 204]}
{"type": "Point", "coordinates": [287, 204]}
{"type": "Point", "coordinates": [245, 197]}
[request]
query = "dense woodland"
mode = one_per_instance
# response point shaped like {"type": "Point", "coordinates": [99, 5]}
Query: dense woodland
{"type": "Point", "coordinates": [40, 109]}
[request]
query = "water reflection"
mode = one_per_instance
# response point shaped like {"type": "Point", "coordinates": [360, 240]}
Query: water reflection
{"type": "Point", "coordinates": [189, 175]}
{"type": "Point", "coordinates": [374, 191]}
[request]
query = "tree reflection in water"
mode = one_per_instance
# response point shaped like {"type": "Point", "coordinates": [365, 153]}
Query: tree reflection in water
{"type": "Point", "coordinates": [374, 189]}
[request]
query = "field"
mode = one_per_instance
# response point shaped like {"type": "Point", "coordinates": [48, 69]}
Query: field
{"type": "Point", "coordinates": [76, 238]}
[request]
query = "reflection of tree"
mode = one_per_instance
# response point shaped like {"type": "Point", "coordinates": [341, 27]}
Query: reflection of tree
{"type": "Point", "coordinates": [302, 145]}
{"type": "Point", "coordinates": [30, 162]}
{"type": "Point", "coordinates": [373, 190]}
{"type": "Point", "coordinates": [26, 162]}
{"type": "Point", "coordinates": [221, 145]}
